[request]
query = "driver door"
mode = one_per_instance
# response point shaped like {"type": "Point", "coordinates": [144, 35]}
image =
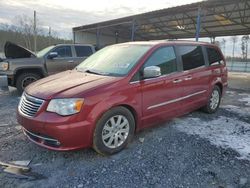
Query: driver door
{"type": "Point", "coordinates": [64, 60]}
{"type": "Point", "coordinates": [160, 95]}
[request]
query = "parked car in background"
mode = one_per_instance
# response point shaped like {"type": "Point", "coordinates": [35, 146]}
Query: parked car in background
{"type": "Point", "coordinates": [23, 67]}
{"type": "Point", "coordinates": [119, 90]}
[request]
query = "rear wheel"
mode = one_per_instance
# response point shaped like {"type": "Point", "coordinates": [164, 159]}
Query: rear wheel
{"type": "Point", "coordinates": [214, 101]}
{"type": "Point", "coordinates": [24, 79]}
{"type": "Point", "coordinates": [114, 131]}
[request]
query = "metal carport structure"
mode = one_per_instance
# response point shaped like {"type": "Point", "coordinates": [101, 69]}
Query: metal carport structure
{"type": "Point", "coordinates": [211, 18]}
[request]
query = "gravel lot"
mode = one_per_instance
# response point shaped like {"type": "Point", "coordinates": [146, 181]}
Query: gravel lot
{"type": "Point", "coordinates": [196, 150]}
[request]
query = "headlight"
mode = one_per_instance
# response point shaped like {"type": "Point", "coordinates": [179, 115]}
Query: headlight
{"type": "Point", "coordinates": [65, 107]}
{"type": "Point", "coordinates": [4, 66]}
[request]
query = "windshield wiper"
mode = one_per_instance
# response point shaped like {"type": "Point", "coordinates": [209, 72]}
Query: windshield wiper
{"type": "Point", "coordinates": [92, 71]}
{"type": "Point", "coordinates": [95, 72]}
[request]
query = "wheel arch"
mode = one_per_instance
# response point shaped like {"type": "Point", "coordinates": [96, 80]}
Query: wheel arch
{"type": "Point", "coordinates": [127, 106]}
{"type": "Point", "coordinates": [133, 111]}
{"type": "Point", "coordinates": [36, 70]}
{"type": "Point", "coordinates": [219, 84]}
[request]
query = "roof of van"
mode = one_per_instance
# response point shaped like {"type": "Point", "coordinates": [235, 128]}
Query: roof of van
{"type": "Point", "coordinates": [157, 42]}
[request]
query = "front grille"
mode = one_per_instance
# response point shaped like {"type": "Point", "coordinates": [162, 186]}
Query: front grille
{"type": "Point", "coordinates": [29, 105]}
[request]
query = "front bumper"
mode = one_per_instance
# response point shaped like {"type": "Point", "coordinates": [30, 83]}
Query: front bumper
{"type": "Point", "coordinates": [10, 77]}
{"type": "Point", "coordinates": [55, 132]}
{"type": "Point", "coordinates": [4, 83]}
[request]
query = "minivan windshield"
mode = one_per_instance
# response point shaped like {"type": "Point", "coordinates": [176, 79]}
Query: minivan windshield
{"type": "Point", "coordinates": [116, 60]}
{"type": "Point", "coordinates": [44, 51]}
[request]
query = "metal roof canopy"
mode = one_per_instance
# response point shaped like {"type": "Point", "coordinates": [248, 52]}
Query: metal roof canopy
{"type": "Point", "coordinates": [211, 18]}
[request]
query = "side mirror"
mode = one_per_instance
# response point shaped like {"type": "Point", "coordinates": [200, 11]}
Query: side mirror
{"type": "Point", "coordinates": [52, 55]}
{"type": "Point", "coordinates": [151, 72]}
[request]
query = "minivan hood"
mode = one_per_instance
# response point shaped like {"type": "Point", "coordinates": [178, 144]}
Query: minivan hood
{"type": "Point", "coordinates": [67, 84]}
{"type": "Point", "coordinates": [14, 51]}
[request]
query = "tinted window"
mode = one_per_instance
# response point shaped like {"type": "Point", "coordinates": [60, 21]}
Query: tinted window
{"type": "Point", "coordinates": [165, 59]}
{"type": "Point", "coordinates": [63, 51]}
{"type": "Point", "coordinates": [83, 51]}
{"type": "Point", "coordinates": [214, 57]}
{"type": "Point", "coordinates": [192, 57]}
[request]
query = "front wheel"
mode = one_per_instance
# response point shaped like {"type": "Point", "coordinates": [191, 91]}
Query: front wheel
{"type": "Point", "coordinates": [214, 101]}
{"type": "Point", "coordinates": [24, 79]}
{"type": "Point", "coordinates": [114, 131]}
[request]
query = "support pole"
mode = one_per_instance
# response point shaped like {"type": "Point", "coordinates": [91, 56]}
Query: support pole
{"type": "Point", "coordinates": [133, 31]}
{"type": "Point", "coordinates": [212, 40]}
{"type": "Point", "coordinates": [116, 37]}
{"type": "Point", "coordinates": [98, 38]}
{"type": "Point", "coordinates": [246, 54]}
{"type": "Point", "coordinates": [198, 24]}
{"type": "Point", "coordinates": [74, 36]}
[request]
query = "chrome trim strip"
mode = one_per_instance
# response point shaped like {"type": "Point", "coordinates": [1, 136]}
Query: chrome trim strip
{"type": "Point", "coordinates": [33, 98]}
{"type": "Point", "coordinates": [41, 137]}
{"type": "Point", "coordinates": [162, 76]}
{"type": "Point", "coordinates": [165, 75]}
{"type": "Point", "coordinates": [175, 100]}
{"type": "Point", "coordinates": [197, 68]}
{"type": "Point", "coordinates": [134, 82]}
{"type": "Point", "coordinates": [24, 99]}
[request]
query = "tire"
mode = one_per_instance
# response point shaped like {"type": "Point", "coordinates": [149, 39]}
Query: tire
{"type": "Point", "coordinates": [25, 79]}
{"type": "Point", "coordinates": [214, 100]}
{"type": "Point", "coordinates": [109, 138]}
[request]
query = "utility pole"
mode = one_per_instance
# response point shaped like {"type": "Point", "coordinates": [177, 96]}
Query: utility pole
{"type": "Point", "coordinates": [35, 31]}
{"type": "Point", "coordinates": [49, 35]}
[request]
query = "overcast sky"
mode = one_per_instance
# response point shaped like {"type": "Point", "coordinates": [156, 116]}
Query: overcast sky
{"type": "Point", "coordinates": [62, 15]}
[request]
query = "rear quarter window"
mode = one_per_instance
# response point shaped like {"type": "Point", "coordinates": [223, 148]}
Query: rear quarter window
{"type": "Point", "coordinates": [83, 51]}
{"type": "Point", "coordinates": [192, 57]}
{"type": "Point", "coordinates": [214, 56]}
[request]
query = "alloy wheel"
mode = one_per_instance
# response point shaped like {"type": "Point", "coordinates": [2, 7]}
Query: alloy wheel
{"type": "Point", "coordinates": [214, 100]}
{"type": "Point", "coordinates": [115, 131]}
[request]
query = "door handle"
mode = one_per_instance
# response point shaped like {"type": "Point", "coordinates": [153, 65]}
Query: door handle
{"type": "Point", "coordinates": [70, 61]}
{"type": "Point", "coordinates": [188, 78]}
{"type": "Point", "coordinates": [177, 81]}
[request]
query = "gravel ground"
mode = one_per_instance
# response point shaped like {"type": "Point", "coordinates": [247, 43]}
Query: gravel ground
{"type": "Point", "coordinates": [196, 150]}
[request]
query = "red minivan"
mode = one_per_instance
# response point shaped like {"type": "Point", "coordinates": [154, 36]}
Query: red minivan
{"type": "Point", "coordinates": [119, 90]}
